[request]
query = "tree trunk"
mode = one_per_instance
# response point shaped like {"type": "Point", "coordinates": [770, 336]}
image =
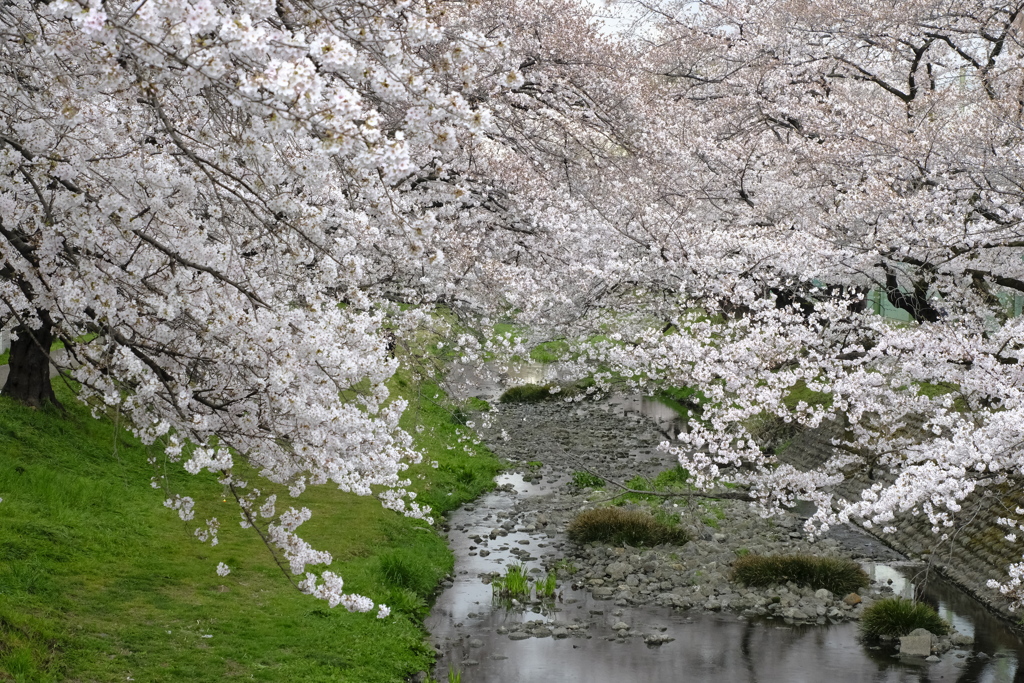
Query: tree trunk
{"type": "Point", "coordinates": [29, 378]}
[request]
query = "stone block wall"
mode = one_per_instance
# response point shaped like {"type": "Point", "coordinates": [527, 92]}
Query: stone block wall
{"type": "Point", "coordinates": [976, 550]}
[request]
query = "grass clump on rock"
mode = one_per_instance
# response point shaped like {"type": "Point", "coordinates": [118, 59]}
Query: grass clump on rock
{"type": "Point", "coordinates": [527, 393]}
{"type": "Point", "coordinates": [536, 393]}
{"type": "Point", "coordinates": [896, 617]}
{"type": "Point", "coordinates": [835, 574]}
{"type": "Point", "coordinates": [617, 526]}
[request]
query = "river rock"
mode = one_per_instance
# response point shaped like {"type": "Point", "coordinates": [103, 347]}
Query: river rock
{"type": "Point", "coordinates": [852, 599]}
{"type": "Point", "coordinates": [918, 643]}
{"type": "Point", "coordinates": [961, 639]}
{"type": "Point", "coordinates": [618, 570]}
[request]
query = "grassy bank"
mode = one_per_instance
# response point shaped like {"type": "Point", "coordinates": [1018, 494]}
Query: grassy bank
{"type": "Point", "coordinates": [99, 582]}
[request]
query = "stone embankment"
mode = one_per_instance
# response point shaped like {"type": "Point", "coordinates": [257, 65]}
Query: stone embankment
{"type": "Point", "coordinates": [976, 549]}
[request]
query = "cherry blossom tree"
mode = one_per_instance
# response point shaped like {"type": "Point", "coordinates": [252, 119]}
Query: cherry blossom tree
{"type": "Point", "coordinates": [799, 156]}
{"type": "Point", "coordinates": [219, 206]}
{"type": "Point", "coordinates": [224, 208]}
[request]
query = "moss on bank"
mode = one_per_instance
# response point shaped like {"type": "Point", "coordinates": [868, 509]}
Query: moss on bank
{"type": "Point", "coordinates": [99, 582]}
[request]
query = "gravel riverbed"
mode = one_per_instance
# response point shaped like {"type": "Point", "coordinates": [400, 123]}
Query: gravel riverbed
{"type": "Point", "coordinates": [626, 594]}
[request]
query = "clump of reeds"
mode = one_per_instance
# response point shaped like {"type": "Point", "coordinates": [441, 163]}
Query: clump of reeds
{"type": "Point", "coordinates": [897, 617]}
{"type": "Point", "coordinates": [617, 526]}
{"type": "Point", "coordinates": [835, 574]}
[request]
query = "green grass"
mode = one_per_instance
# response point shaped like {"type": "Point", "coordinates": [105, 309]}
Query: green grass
{"type": "Point", "coordinates": [838, 575]}
{"type": "Point", "coordinates": [528, 393]}
{"type": "Point", "coordinates": [582, 480]}
{"type": "Point", "coordinates": [477, 404]}
{"type": "Point", "coordinates": [897, 617]}
{"type": "Point", "coordinates": [800, 393]}
{"type": "Point", "coordinates": [99, 582]}
{"type": "Point", "coordinates": [616, 526]}
{"type": "Point", "coordinates": [550, 351]}
{"type": "Point", "coordinates": [546, 586]}
{"type": "Point", "coordinates": [463, 472]}
{"type": "Point", "coordinates": [672, 480]}
{"type": "Point", "coordinates": [514, 584]}
{"type": "Point", "coordinates": [565, 565]}
{"type": "Point", "coordinates": [453, 677]}
{"type": "Point", "coordinates": [677, 476]}
{"type": "Point", "coordinates": [715, 514]}
{"type": "Point", "coordinates": [5, 357]}
{"type": "Point", "coordinates": [637, 483]}
{"type": "Point", "coordinates": [686, 401]}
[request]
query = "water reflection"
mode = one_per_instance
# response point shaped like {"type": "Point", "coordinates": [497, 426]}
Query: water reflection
{"type": "Point", "coordinates": [708, 647]}
{"type": "Point", "coordinates": [668, 420]}
{"type": "Point", "coordinates": [472, 630]}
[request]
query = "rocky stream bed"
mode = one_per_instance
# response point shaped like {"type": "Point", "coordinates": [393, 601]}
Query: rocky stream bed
{"type": "Point", "coordinates": [668, 613]}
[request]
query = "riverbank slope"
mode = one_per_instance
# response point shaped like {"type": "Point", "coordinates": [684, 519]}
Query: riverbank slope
{"type": "Point", "coordinates": [100, 582]}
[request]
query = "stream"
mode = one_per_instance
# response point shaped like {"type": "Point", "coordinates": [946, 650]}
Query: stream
{"type": "Point", "coordinates": [589, 635]}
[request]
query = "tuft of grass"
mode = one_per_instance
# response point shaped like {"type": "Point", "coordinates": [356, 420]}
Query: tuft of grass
{"type": "Point", "coordinates": [835, 574]}
{"type": "Point", "coordinates": [477, 404]}
{"type": "Point", "coordinates": [799, 393]}
{"type": "Point", "coordinates": [582, 480]}
{"type": "Point", "coordinates": [617, 526]}
{"type": "Point", "coordinates": [896, 617]}
{"type": "Point", "coordinates": [666, 517]}
{"type": "Point", "coordinates": [514, 584]}
{"type": "Point", "coordinates": [565, 565]}
{"type": "Point", "coordinates": [715, 514]}
{"type": "Point", "coordinates": [528, 393]}
{"type": "Point", "coordinates": [674, 479]}
{"type": "Point", "coordinates": [453, 676]}
{"type": "Point", "coordinates": [686, 401]}
{"type": "Point", "coordinates": [677, 476]}
{"type": "Point", "coordinates": [637, 483]}
{"type": "Point", "coordinates": [546, 586]}
{"type": "Point", "coordinates": [401, 570]}
{"type": "Point", "coordinates": [550, 351]}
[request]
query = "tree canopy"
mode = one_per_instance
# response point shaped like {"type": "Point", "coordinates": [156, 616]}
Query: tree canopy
{"type": "Point", "coordinates": [225, 209]}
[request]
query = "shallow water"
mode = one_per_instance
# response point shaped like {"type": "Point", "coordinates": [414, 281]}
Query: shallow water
{"type": "Point", "coordinates": [708, 646]}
